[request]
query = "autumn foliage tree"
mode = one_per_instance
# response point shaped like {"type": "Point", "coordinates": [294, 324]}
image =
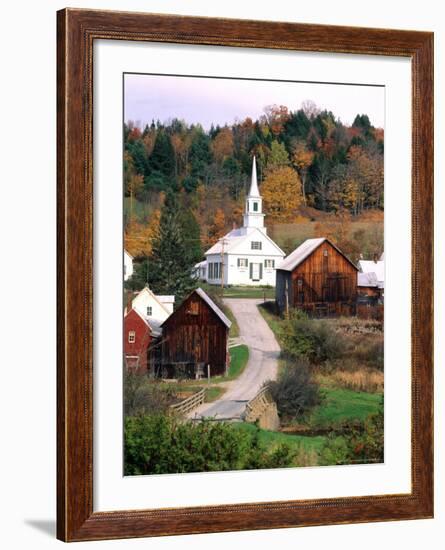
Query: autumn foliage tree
{"type": "Point", "coordinates": [281, 191]}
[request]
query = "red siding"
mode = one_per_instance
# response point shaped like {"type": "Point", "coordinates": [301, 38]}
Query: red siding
{"type": "Point", "coordinates": [195, 334]}
{"type": "Point", "coordinates": [136, 353]}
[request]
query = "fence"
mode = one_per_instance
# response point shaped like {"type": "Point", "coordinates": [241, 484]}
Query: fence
{"type": "Point", "coordinates": [262, 409]}
{"type": "Point", "coordinates": [184, 407]}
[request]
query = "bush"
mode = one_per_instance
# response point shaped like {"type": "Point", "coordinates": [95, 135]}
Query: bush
{"type": "Point", "coordinates": [160, 444]}
{"type": "Point", "coordinates": [295, 392]}
{"type": "Point", "coordinates": [360, 443]}
{"type": "Point", "coordinates": [144, 396]}
{"type": "Point", "coordinates": [312, 339]}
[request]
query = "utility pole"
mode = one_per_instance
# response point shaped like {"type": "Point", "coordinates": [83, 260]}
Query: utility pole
{"type": "Point", "coordinates": [223, 242]}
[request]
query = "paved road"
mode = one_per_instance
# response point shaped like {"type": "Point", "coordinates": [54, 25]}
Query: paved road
{"type": "Point", "coordinates": [261, 366]}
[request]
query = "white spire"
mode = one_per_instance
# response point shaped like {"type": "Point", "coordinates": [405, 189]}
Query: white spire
{"type": "Point", "coordinates": [254, 182]}
{"type": "Point", "coordinates": [253, 214]}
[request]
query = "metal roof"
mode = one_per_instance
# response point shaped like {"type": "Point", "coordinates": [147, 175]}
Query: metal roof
{"type": "Point", "coordinates": [367, 279]}
{"type": "Point", "coordinates": [305, 249]}
{"type": "Point", "coordinates": [369, 266]}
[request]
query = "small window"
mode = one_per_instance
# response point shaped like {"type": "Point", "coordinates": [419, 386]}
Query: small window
{"type": "Point", "coordinates": [268, 264]}
{"type": "Point", "coordinates": [255, 207]}
{"type": "Point", "coordinates": [210, 271]}
{"type": "Point", "coordinates": [131, 337]}
{"type": "Point", "coordinates": [193, 308]}
{"type": "Point", "coordinates": [242, 262]}
{"type": "Point", "coordinates": [300, 282]}
{"type": "Point", "coordinates": [149, 311]}
{"type": "Point", "coordinates": [256, 245]}
{"type": "Point", "coordinates": [325, 252]}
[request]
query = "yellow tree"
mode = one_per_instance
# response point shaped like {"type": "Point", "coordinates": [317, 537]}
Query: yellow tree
{"type": "Point", "coordinates": [218, 228]}
{"type": "Point", "coordinates": [281, 191]}
{"type": "Point", "coordinates": [139, 237]}
{"type": "Point", "coordinates": [222, 145]}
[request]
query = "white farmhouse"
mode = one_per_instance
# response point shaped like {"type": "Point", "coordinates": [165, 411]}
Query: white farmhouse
{"type": "Point", "coordinates": [128, 265]}
{"type": "Point", "coordinates": [245, 256]}
{"type": "Point", "coordinates": [152, 308]}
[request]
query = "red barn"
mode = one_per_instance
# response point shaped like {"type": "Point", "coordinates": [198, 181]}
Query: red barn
{"type": "Point", "coordinates": [137, 339]}
{"type": "Point", "coordinates": [194, 338]}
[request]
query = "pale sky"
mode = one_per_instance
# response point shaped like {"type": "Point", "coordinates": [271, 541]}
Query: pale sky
{"type": "Point", "coordinates": [222, 101]}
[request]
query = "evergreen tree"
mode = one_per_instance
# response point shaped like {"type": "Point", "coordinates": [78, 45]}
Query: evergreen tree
{"type": "Point", "coordinates": [172, 260]}
{"type": "Point", "coordinates": [192, 234]}
{"type": "Point", "coordinates": [162, 159]}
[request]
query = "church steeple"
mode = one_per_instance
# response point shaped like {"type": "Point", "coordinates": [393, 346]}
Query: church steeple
{"type": "Point", "coordinates": [253, 214]}
{"type": "Point", "coordinates": [254, 182]}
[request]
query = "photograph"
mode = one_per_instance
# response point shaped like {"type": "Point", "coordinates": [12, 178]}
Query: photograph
{"type": "Point", "coordinates": [253, 274]}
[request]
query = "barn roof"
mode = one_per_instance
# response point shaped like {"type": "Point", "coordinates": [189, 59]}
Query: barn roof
{"type": "Point", "coordinates": [304, 251]}
{"type": "Point", "coordinates": [213, 306]}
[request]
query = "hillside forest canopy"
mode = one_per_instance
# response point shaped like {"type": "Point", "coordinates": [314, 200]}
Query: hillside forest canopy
{"type": "Point", "coordinates": [317, 177]}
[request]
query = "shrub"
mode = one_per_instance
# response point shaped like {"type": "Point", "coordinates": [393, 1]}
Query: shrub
{"type": "Point", "coordinates": [295, 392]}
{"type": "Point", "coordinates": [144, 396]}
{"type": "Point", "coordinates": [359, 443]}
{"type": "Point", "coordinates": [160, 444]}
{"type": "Point", "coordinates": [312, 339]}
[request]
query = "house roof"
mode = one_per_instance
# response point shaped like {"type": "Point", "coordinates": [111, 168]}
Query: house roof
{"type": "Point", "coordinates": [369, 266]}
{"type": "Point", "coordinates": [159, 299]}
{"type": "Point", "coordinates": [367, 279]}
{"type": "Point", "coordinates": [153, 328]}
{"type": "Point", "coordinates": [235, 237]}
{"type": "Point", "coordinates": [304, 251]}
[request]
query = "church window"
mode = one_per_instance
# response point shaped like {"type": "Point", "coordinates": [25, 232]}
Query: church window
{"type": "Point", "coordinates": [256, 245]}
{"type": "Point", "coordinates": [255, 207]}
{"type": "Point", "coordinates": [242, 262]}
{"type": "Point", "coordinates": [269, 264]}
{"type": "Point", "coordinates": [210, 271]}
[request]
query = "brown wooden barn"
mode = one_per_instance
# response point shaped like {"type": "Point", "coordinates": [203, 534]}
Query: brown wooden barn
{"type": "Point", "coordinates": [195, 337]}
{"type": "Point", "coordinates": [317, 278]}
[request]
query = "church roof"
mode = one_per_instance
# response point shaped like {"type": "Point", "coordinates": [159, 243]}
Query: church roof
{"type": "Point", "coordinates": [254, 192]}
{"type": "Point", "coordinates": [237, 236]}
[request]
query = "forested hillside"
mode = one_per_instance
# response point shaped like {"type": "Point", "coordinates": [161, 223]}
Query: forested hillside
{"type": "Point", "coordinates": [316, 175]}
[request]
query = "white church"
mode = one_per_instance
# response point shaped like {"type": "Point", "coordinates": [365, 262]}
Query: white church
{"type": "Point", "coordinates": [246, 255]}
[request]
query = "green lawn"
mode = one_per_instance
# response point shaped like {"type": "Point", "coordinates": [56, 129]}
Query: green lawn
{"type": "Point", "coordinates": [257, 292]}
{"type": "Point", "coordinates": [239, 355]}
{"type": "Point", "coordinates": [341, 404]}
{"type": "Point", "coordinates": [270, 439]}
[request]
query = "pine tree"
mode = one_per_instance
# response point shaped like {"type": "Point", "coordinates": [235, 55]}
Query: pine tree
{"type": "Point", "coordinates": [171, 263]}
{"type": "Point", "coordinates": [162, 158]}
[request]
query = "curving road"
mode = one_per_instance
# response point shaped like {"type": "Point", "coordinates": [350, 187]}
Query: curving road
{"type": "Point", "coordinates": [261, 366]}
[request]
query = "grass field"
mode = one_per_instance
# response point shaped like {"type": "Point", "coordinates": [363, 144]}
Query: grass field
{"type": "Point", "coordinates": [239, 355]}
{"type": "Point", "coordinates": [259, 293]}
{"type": "Point", "coordinates": [341, 404]}
{"type": "Point", "coordinates": [290, 235]}
{"type": "Point", "coordinates": [272, 439]}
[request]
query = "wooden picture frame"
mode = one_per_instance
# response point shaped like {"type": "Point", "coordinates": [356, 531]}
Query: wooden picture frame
{"type": "Point", "coordinates": [77, 31]}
